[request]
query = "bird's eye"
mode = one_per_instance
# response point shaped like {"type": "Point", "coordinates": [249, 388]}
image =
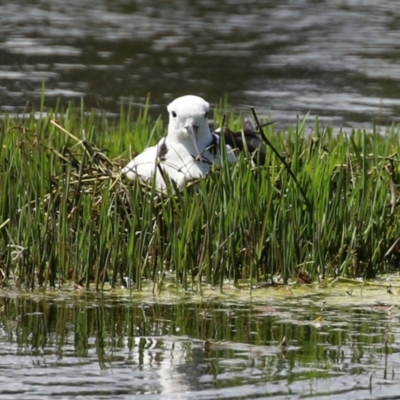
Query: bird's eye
{"type": "Point", "coordinates": [174, 114]}
{"type": "Point", "coordinates": [206, 114]}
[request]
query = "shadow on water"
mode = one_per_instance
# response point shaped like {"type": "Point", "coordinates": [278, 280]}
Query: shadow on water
{"type": "Point", "coordinates": [64, 347]}
{"type": "Point", "coordinates": [336, 59]}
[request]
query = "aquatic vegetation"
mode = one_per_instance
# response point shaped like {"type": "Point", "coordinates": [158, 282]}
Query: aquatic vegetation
{"type": "Point", "coordinates": [324, 204]}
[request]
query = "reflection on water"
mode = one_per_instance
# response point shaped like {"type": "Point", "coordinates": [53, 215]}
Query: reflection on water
{"type": "Point", "coordinates": [338, 59]}
{"type": "Point", "coordinates": [98, 348]}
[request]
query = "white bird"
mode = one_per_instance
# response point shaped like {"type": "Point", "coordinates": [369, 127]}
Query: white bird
{"type": "Point", "coordinates": [188, 150]}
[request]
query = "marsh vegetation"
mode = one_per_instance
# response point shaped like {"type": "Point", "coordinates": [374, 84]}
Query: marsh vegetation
{"type": "Point", "coordinates": [66, 215]}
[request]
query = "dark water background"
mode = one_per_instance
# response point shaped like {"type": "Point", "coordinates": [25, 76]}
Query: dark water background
{"type": "Point", "coordinates": [337, 59]}
{"type": "Point", "coordinates": [65, 346]}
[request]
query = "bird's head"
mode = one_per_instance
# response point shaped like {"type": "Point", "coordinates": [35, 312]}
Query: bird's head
{"type": "Point", "coordinates": [188, 122]}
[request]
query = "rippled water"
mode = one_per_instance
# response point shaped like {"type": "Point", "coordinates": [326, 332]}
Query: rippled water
{"type": "Point", "coordinates": [338, 59]}
{"type": "Point", "coordinates": [95, 346]}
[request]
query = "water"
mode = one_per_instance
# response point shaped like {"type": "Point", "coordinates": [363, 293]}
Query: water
{"type": "Point", "coordinates": [337, 59]}
{"type": "Point", "coordinates": [64, 346]}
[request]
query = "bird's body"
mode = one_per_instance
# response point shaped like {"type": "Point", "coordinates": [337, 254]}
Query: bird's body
{"type": "Point", "coordinates": [249, 139]}
{"type": "Point", "coordinates": [186, 153]}
{"type": "Point", "coordinates": [178, 163]}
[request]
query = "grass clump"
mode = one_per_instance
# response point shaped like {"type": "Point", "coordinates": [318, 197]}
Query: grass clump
{"type": "Point", "coordinates": [66, 215]}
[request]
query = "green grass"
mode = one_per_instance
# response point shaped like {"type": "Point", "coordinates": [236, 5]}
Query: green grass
{"type": "Point", "coordinates": [67, 216]}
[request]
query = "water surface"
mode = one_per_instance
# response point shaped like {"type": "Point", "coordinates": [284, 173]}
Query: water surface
{"type": "Point", "coordinates": [102, 346]}
{"type": "Point", "coordinates": [336, 59]}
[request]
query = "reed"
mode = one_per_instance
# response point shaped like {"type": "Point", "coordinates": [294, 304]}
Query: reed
{"type": "Point", "coordinates": [324, 204]}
